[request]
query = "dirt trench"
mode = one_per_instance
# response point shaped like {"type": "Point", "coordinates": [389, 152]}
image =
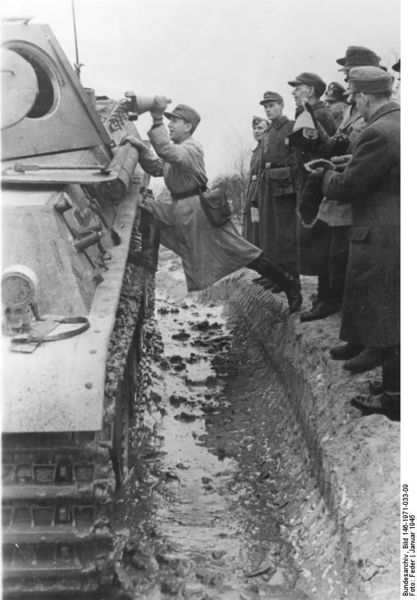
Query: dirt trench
{"type": "Point", "coordinates": [221, 501]}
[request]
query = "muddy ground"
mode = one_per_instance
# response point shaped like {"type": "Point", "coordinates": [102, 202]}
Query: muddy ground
{"type": "Point", "coordinates": [251, 476]}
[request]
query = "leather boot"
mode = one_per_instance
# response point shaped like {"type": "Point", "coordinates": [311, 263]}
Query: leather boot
{"type": "Point", "coordinates": [283, 280]}
{"type": "Point", "coordinates": [366, 360]}
{"type": "Point", "coordinates": [387, 404]}
{"type": "Point", "coordinates": [345, 351]}
{"type": "Point", "coordinates": [320, 310]}
{"type": "Point", "coordinates": [294, 297]}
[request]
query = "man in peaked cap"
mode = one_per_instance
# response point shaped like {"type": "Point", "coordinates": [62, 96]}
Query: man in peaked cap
{"type": "Point", "coordinates": [335, 99]}
{"type": "Point", "coordinates": [209, 250]}
{"type": "Point", "coordinates": [251, 208]}
{"type": "Point", "coordinates": [313, 240]}
{"type": "Point", "coordinates": [275, 193]}
{"type": "Point", "coordinates": [370, 183]}
{"type": "Point", "coordinates": [304, 81]}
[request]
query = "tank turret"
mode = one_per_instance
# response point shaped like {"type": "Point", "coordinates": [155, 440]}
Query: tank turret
{"type": "Point", "coordinates": [72, 313]}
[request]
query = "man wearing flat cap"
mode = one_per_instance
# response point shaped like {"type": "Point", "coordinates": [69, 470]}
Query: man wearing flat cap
{"type": "Point", "coordinates": [209, 249]}
{"type": "Point", "coordinates": [276, 191]}
{"type": "Point", "coordinates": [370, 183]}
{"type": "Point", "coordinates": [313, 241]}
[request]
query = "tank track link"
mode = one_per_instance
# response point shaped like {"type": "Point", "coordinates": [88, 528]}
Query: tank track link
{"type": "Point", "coordinates": [59, 488]}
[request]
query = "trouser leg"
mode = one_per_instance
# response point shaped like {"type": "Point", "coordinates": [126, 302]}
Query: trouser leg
{"type": "Point", "coordinates": [391, 370]}
{"type": "Point", "coordinates": [323, 287]}
{"type": "Point", "coordinates": [338, 259]}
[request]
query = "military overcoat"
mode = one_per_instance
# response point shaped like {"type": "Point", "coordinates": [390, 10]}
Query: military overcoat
{"type": "Point", "coordinates": [313, 243]}
{"type": "Point", "coordinates": [276, 196]}
{"type": "Point", "coordinates": [250, 229]}
{"type": "Point", "coordinates": [371, 183]}
{"type": "Point", "coordinates": [208, 253]}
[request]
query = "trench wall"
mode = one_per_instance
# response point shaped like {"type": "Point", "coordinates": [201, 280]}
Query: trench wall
{"type": "Point", "coordinates": [355, 459]}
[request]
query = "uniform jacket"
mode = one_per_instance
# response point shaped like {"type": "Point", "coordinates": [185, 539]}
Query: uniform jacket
{"type": "Point", "coordinates": [371, 184]}
{"type": "Point", "coordinates": [208, 253]}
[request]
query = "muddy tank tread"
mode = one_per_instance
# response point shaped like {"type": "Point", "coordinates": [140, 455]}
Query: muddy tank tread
{"type": "Point", "coordinates": [61, 487]}
{"type": "Point", "coordinates": [55, 532]}
{"type": "Point", "coordinates": [65, 585]}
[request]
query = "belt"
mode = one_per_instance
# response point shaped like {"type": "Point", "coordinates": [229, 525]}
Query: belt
{"type": "Point", "coordinates": [195, 192]}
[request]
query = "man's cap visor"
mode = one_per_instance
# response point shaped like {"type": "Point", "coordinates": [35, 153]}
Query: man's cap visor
{"type": "Point", "coordinates": [175, 115]}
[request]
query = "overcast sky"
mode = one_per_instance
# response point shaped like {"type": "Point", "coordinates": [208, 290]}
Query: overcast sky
{"type": "Point", "coordinates": [219, 56]}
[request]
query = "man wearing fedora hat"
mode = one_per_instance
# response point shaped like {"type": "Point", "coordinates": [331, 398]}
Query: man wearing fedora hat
{"type": "Point", "coordinates": [370, 183]}
{"type": "Point", "coordinates": [276, 191]}
{"type": "Point", "coordinates": [358, 56]}
{"type": "Point", "coordinates": [208, 252]}
{"type": "Point", "coordinates": [338, 217]}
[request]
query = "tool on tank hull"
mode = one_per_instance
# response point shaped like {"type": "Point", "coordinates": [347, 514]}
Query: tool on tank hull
{"type": "Point", "coordinates": [73, 311]}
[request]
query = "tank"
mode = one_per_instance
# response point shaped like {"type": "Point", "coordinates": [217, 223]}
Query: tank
{"type": "Point", "coordinates": [73, 312]}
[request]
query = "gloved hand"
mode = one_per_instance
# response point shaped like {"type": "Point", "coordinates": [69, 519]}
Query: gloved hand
{"type": "Point", "coordinates": [160, 105]}
{"type": "Point", "coordinates": [135, 142]}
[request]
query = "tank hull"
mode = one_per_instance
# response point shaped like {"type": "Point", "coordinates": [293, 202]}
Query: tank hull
{"type": "Point", "coordinates": [70, 204]}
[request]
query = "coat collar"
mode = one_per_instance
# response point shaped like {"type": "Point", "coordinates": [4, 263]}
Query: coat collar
{"type": "Point", "coordinates": [317, 105]}
{"type": "Point", "coordinates": [383, 110]}
{"type": "Point", "coordinates": [278, 123]}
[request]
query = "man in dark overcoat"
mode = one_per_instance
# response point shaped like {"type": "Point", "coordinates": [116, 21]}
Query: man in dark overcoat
{"type": "Point", "coordinates": [339, 216]}
{"type": "Point", "coordinates": [251, 208]}
{"type": "Point", "coordinates": [371, 184]}
{"type": "Point", "coordinates": [313, 241]}
{"type": "Point", "coordinates": [276, 191]}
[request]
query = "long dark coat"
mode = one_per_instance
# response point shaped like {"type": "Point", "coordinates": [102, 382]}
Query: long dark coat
{"type": "Point", "coordinates": [277, 199]}
{"type": "Point", "coordinates": [251, 230]}
{"type": "Point", "coordinates": [313, 243]}
{"type": "Point", "coordinates": [371, 183]}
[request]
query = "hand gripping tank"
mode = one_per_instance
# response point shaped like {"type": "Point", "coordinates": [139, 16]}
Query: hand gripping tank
{"type": "Point", "coordinates": [70, 213]}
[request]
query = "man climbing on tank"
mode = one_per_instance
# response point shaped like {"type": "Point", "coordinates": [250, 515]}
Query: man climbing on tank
{"type": "Point", "coordinates": [208, 252]}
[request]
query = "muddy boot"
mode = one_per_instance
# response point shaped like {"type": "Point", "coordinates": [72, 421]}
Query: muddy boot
{"type": "Point", "coordinates": [387, 403]}
{"type": "Point", "coordinates": [345, 351]}
{"type": "Point", "coordinates": [366, 360]}
{"type": "Point", "coordinates": [147, 255]}
{"type": "Point", "coordinates": [283, 280]}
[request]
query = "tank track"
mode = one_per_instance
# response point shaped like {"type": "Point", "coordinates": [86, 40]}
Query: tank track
{"type": "Point", "coordinates": [59, 488]}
